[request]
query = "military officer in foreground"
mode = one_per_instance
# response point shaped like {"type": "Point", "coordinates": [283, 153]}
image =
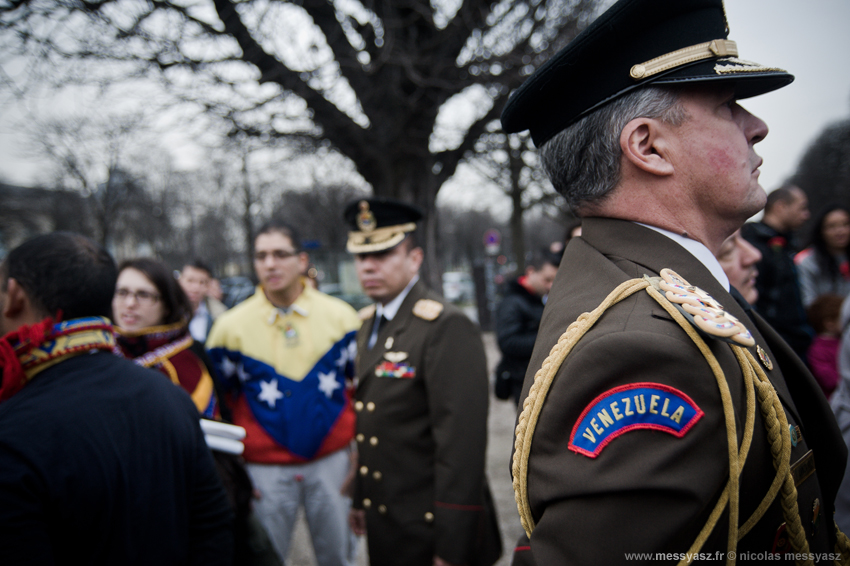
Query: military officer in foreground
{"type": "Point", "coordinates": [671, 423]}
{"type": "Point", "coordinates": [421, 495]}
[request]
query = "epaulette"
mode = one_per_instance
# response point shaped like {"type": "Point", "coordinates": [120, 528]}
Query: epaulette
{"type": "Point", "coordinates": [427, 309]}
{"type": "Point", "coordinates": [702, 310]}
{"type": "Point", "coordinates": [366, 312]}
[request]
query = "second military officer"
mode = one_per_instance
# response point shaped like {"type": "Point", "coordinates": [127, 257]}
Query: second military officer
{"type": "Point", "coordinates": [421, 495]}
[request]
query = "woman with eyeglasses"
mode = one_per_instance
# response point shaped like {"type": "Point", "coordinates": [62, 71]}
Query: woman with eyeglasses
{"type": "Point", "coordinates": [151, 313]}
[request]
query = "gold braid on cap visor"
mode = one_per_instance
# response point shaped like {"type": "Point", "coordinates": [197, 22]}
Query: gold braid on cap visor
{"type": "Point", "coordinates": [715, 48]}
{"type": "Point", "coordinates": [378, 239]}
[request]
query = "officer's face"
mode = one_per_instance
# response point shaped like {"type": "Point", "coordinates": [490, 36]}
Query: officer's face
{"type": "Point", "coordinates": [384, 275]}
{"type": "Point", "coordinates": [713, 153]}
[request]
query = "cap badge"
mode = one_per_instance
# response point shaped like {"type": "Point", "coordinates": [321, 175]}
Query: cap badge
{"type": "Point", "coordinates": [365, 219]}
{"type": "Point", "coordinates": [703, 310]}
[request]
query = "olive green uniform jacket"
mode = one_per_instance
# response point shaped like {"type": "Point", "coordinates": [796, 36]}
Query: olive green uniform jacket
{"type": "Point", "coordinates": [647, 489]}
{"type": "Point", "coordinates": [421, 402]}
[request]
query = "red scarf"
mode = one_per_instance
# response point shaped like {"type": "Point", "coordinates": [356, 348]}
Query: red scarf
{"type": "Point", "coordinates": [32, 348]}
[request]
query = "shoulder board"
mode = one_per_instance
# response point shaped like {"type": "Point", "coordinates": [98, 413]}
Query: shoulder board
{"type": "Point", "coordinates": [366, 312]}
{"type": "Point", "coordinates": [427, 309]}
{"type": "Point", "coordinates": [702, 310]}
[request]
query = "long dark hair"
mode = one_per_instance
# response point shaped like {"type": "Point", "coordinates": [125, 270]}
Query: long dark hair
{"type": "Point", "coordinates": [827, 263]}
{"type": "Point", "coordinates": [174, 300]}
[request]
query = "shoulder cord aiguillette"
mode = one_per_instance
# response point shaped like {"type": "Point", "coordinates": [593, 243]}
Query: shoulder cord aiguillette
{"type": "Point", "coordinates": [757, 385]}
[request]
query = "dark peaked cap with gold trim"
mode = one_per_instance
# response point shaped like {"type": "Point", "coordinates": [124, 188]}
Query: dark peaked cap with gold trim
{"type": "Point", "coordinates": [634, 43]}
{"type": "Point", "coordinates": [379, 224]}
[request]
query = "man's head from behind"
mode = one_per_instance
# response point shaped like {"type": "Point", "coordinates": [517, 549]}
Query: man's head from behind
{"type": "Point", "coordinates": [787, 208]}
{"type": "Point", "coordinates": [541, 271]}
{"type": "Point", "coordinates": [57, 273]}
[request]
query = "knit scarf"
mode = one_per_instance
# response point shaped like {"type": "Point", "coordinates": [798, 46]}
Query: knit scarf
{"type": "Point", "coordinates": [151, 346]}
{"type": "Point", "coordinates": [33, 348]}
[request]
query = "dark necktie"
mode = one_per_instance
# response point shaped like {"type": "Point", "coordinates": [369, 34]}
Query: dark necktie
{"type": "Point", "coordinates": [380, 322]}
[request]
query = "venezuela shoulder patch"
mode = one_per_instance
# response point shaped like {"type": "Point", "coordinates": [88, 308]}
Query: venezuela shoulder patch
{"type": "Point", "coordinates": [651, 406]}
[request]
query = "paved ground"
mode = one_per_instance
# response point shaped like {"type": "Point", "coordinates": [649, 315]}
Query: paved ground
{"type": "Point", "coordinates": [501, 427]}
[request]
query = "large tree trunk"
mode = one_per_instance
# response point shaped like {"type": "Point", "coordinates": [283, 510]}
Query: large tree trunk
{"type": "Point", "coordinates": [410, 185]}
{"type": "Point", "coordinates": [515, 165]}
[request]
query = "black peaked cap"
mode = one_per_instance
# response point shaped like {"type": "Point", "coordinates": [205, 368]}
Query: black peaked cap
{"type": "Point", "coordinates": [378, 224]}
{"type": "Point", "coordinates": [601, 63]}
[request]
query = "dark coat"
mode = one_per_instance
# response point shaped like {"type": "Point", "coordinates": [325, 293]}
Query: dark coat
{"type": "Point", "coordinates": [517, 321]}
{"type": "Point", "coordinates": [646, 490]}
{"type": "Point", "coordinates": [780, 301]}
{"type": "Point", "coordinates": [104, 462]}
{"type": "Point", "coordinates": [422, 438]}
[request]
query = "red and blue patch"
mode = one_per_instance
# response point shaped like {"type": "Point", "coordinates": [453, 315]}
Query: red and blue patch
{"type": "Point", "coordinates": [635, 406]}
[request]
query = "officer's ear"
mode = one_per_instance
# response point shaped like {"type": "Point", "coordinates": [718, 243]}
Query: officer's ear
{"type": "Point", "coordinates": [644, 143]}
{"type": "Point", "coordinates": [417, 254]}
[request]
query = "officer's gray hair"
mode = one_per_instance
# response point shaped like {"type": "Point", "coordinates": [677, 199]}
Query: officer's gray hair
{"type": "Point", "coordinates": [583, 161]}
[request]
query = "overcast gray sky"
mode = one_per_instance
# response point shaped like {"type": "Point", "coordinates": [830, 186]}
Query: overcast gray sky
{"type": "Point", "coordinates": [810, 39]}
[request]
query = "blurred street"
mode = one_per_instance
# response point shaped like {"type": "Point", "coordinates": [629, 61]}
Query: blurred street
{"type": "Point", "coordinates": [501, 430]}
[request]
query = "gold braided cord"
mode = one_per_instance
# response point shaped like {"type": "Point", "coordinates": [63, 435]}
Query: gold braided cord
{"type": "Point", "coordinates": [750, 379]}
{"type": "Point", "coordinates": [757, 386]}
{"type": "Point", "coordinates": [732, 491]}
{"type": "Point", "coordinates": [774, 416]}
{"type": "Point", "coordinates": [842, 547]}
{"type": "Point", "coordinates": [533, 404]}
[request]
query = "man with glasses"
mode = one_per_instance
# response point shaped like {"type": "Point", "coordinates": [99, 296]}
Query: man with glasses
{"type": "Point", "coordinates": [285, 357]}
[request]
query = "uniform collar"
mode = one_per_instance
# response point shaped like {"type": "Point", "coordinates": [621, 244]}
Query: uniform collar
{"type": "Point", "coordinates": [698, 250]}
{"type": "Point", "coordinates": [389, 310]}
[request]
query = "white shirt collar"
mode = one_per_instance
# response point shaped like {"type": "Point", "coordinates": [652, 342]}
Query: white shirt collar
{"type": "Point", "coordinates": [283, 312]}
{"type": "Point", "coordinates": [389, 310]}
{"type": "Point", "coordinates": [697, 250]}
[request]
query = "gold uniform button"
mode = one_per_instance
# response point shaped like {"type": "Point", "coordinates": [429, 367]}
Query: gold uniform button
{"type": "Point", "coordinates": [377, 476]}
{"type": "Point", "coordinates": [367, 503]}
{"type": "Point", "coordinates": [373, 441]}
{"type": "Point", "coordinates": [382, 509]}
{"type": "Point", "coordinates": [429, 517]}
{"type": "Point", "coordinates": [358, 406]}
{"type": "Point", "coordinates": [360, 437]}
{"type": "Point", "coordinates": [370, 406]}
{"type": "Point", "coordinates": [364, 470]}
